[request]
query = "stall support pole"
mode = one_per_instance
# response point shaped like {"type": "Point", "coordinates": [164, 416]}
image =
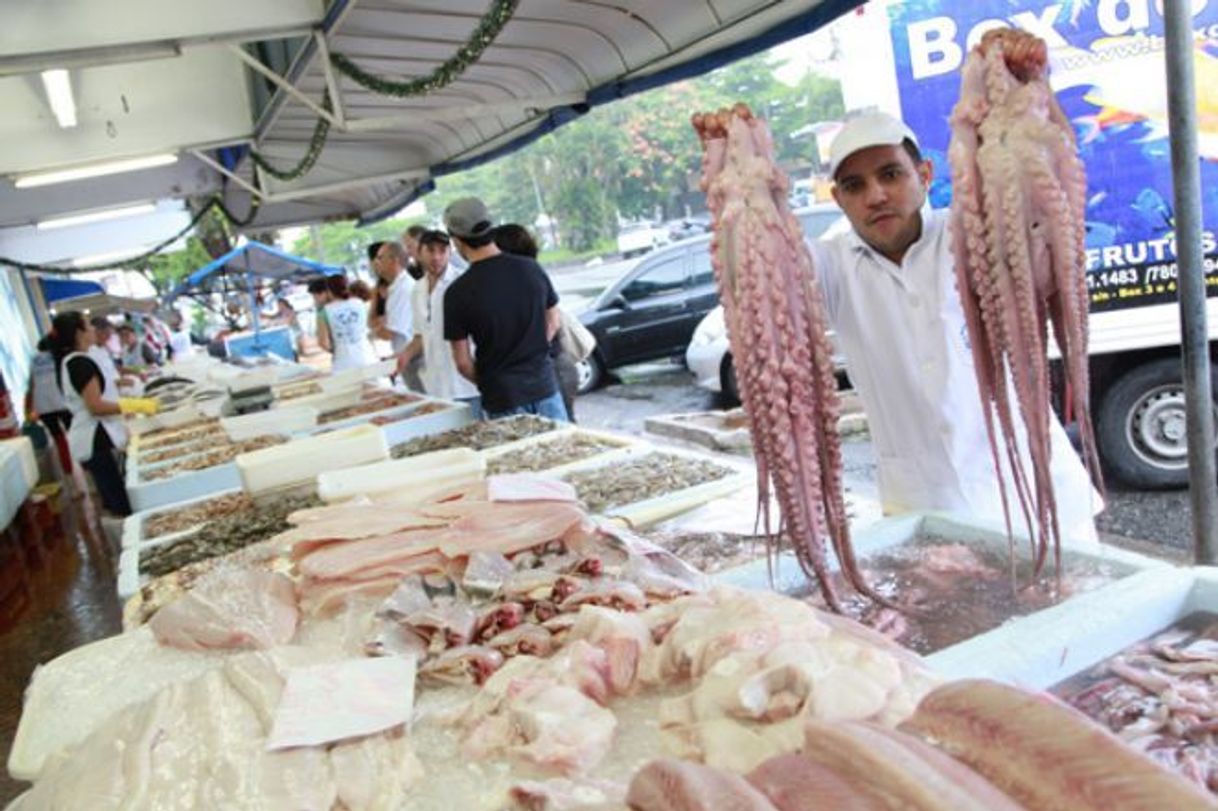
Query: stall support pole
{"type": "Point", "coordinates": [1194, 333]}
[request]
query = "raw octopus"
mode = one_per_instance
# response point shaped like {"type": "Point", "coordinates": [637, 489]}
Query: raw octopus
{"type": "Point", "coordinates": [776, 325]}
{"type": "Point", "coordinates": [1018, 199]}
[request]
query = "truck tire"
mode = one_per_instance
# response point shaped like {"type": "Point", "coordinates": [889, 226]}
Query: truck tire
{"type": "Point", "coordinates": [1141, 427]}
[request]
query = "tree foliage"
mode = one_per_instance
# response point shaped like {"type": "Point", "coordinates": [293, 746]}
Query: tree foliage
{"type": "Point", "coordinates": [637, 158]}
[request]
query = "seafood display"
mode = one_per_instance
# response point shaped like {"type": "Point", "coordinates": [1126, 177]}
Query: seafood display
{"type": "Point", "coordinates": [223, 534]}
{"type": "Point", "coordinates": [1018, 198]}
{"type": "Point", "coordinates": [1161, 697]}
{"type": "Point", "coordinates": [972, 745]}
{"type": "Point", "coordinates": [190, 432]}
{"type": "Point", "coordinates": [477, 436]}
{"type": "Point", "coordinates": [943, 592]}
{"type": "Point", "coordinates": [777, 327]}
{"type": "Point", "coordinates": [569, 447]}
{"type": "Point", "coordinates": [377, 402]}
{"type": "Point", "coordinates": [180, 518]}
{"type": "Point", "coordinates": [646, 477]}
{"type": "Point", "coordinates": [210, 458]}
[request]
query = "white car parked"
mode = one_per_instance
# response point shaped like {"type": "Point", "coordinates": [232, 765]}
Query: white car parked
{"type": "Point", "coordinates": [709, 356]}
{"type": "Point", "coordinates": [635, 238]}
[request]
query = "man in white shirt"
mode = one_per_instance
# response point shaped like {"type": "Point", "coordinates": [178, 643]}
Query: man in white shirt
{"type": "Point", "coordinates": [439, 373]}
{"type": "Point", "coordinates": [398, 327]}
{"type": "Point", "coordinates": [891, 298]}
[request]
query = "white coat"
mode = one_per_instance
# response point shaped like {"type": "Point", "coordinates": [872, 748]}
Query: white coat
{"type": "Point", "coordinates": [907, 351]}
{"type": "Point", "coordinates": [84, 423]}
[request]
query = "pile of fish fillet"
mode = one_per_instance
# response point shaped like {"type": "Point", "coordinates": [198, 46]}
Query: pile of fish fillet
{"type": "Point", "coordinates": [561, 664]}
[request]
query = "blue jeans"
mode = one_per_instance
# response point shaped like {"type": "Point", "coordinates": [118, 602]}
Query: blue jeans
{"type": "Point", "coordinates": [551, 407]}
{"type": "Point", "coordinates": [475, 406]}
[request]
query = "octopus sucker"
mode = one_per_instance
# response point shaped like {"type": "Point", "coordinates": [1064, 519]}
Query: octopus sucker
{"type": "Point", "coordinates": [1018, 240]}
{"type": "Point", "coordinates": [777, 328]}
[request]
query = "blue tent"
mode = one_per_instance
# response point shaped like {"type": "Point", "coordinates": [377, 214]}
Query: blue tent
{"type": "Point", "coordinates": [255, 259]}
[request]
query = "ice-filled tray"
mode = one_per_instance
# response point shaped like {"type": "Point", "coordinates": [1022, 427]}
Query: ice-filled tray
{"type": "Point", "coordinates": [646, 511]}
{"type": "Point", "coordinates": [302, 460]}
{"type": "Point", "coordinates": [383, 416]}
{"type": "Point", "coordinates": [293, 419]}
{"type": "Point", "coordinates": [434, 469]}
{"type": "Point", "coordinates": [135, 532]}
{"type": "Point", "coordinates": [1105, 567]}
{"type": "Point", "coordinates": [616, 447]}
{"type": "Point", "coordinates": [187, 412]}
{"type": "Point", "coordinates": [1046, 648]}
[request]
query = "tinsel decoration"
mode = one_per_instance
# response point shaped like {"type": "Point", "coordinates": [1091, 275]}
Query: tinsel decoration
{"type": "Point", "coordinates": [484, 34]}
{"type": "Point", "coordinates": [316, 144]}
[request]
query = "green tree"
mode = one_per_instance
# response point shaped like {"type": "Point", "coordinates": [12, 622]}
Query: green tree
{"type": "Point", "coordinates": [166, 270]}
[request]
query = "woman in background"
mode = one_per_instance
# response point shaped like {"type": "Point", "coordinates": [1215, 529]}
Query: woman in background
{"type": "Point", "coordinates": [44, 401]}
{"type": "Point", "coordinates": [97, 433]}
{"type": "Point", "coordinates": [346, 327]}
{"type": "Point", "coordinates": [513, 238]}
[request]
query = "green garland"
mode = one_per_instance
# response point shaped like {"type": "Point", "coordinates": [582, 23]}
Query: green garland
{"type": "Point", "coordinates": [488, 29]}
{"type": "Point", "coordinates": [316, 144]}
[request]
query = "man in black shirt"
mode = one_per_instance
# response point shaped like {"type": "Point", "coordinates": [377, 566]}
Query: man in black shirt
{"type": "Point", "coordinates": [507, 307]}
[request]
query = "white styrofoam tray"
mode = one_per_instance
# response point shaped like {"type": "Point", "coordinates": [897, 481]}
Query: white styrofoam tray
{"type": "Point", "coordinates": [456, 415]}
{"type": "Point", "coordinates": [191, 484]}
{"type": "Point", "coordinates": [300, 461]}
{"type": "Point", "coordinates": [626, 446]}
{"type": "Point", "coordinates": [1050, 646]}
{"type": "Point", "coordinates": [393, 412]}
{"type": "Point", "coordinates": [133, 525]}
{"type": "Point", "coordinates": [892, 532]}
{"type": "Point", "coordinates": [653, 510]}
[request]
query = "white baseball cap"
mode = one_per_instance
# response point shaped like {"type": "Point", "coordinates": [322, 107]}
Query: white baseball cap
{"type": "Point", "coordinates": [867, 130]}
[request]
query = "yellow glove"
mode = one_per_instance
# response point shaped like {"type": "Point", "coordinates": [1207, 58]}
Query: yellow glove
{"type": "Point", "coordinates": [138, 405]}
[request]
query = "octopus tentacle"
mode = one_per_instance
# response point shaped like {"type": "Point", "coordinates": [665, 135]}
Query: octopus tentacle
{"type": "Point", "coordinates": [1018, 238]}
{"type": "Point", "coordinates": [777, 328]}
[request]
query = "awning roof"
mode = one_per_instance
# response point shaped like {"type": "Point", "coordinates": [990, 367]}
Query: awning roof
{"type": "Point", "coordinates": [152, 76]}
{"type": "Point", "coordinates": [258, 259]}
{"type": "Point", "coordinates": [104, 304]}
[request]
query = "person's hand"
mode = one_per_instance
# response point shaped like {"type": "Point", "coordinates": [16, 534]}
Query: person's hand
{"type": "Point", "coordinates": [139, 405]}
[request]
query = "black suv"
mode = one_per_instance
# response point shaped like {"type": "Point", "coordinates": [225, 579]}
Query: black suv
{"type": "Point", "coordinates": [651, 311]}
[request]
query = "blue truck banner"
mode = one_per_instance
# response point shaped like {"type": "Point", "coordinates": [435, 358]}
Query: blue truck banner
{"type": "Point", "coordinates": [1107, 70]}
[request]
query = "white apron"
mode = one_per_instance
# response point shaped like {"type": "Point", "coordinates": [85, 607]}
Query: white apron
{"type": "Point", "coordinates": [84, 423]}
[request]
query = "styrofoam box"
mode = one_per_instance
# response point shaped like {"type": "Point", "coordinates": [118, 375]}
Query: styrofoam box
{"type": "Point", "coordinates": [303, 459]}
{"type": "Point", "coordinates": [892, 532]}
{"type": "Point", "coordinates": [133, 525]}
{"type": "Point", "coordinates": [653, 510]}
{"type": "Point", "coordinates": [284, 421]}
{"type": "Point", "coordinates": [455, 415]}
{"type": "Point", "coordinates": [326, 401]}
{"type": "Point", "coordinates": [625, 446]}
{"type": "Point", "coordinates": [191, 484]}
{"type": "Point", "coordinates": [355, 377]}
{"type": "Point", "coordinates": [1048, 647]}
{"type": "Point", "coordinates": [187, 412]}
{"type": "Point", "coordinates": [435, 467]}
{"type": "Point", "coordinates": [359, 419]}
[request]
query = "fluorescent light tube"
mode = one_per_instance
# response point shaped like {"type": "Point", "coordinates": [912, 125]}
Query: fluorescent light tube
{"type": "Point", "coordinates": [95, 216]}
{"type": "Point", "coordinates": [95, 170]}
{"type": "Point", "coordinates": [59, 93]}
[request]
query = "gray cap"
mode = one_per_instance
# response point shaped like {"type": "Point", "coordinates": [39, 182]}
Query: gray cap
{"type": "Point", "coordinates": [468, 217]}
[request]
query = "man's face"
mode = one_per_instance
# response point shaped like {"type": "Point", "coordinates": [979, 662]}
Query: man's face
{"type": "Point", "coordinates": [101, 337]}
{"type": "Point", "coordinates": [412, 246]}
{"type": "Point", "coordinates": [127, 337]}
{"type": "Point", "coordinates": [434, 258]}
{"type": "Point", "coordinates": [881, 190]}
{"type": "Point", "coordinates": [386, 263]}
